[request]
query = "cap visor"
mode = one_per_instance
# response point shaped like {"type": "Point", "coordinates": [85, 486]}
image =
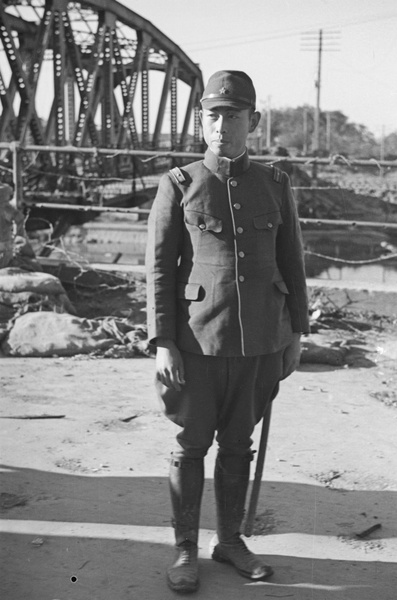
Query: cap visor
{"type": "Point", "coordinates": [210, 103]}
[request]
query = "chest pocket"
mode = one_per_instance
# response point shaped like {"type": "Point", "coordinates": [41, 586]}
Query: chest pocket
{"type": "Point", "coordinates": [206, 236]}
{"type": "Point", "coordinates": [203, 221]}
{"type": "Point", "coordinates": [268, 221]}
{"type": "Point", "coordinates": [266, 226]}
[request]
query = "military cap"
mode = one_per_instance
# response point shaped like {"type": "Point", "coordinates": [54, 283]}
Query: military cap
{"type": "Point", "coordinates": [229, 88]}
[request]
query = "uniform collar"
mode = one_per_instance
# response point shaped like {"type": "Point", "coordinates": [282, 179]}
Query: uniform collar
{"type": "Point", "coordinates": [226, 167]}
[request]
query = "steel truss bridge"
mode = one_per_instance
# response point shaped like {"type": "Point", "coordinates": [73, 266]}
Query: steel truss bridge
{"type": "Point", "coordinates": [91, 74]}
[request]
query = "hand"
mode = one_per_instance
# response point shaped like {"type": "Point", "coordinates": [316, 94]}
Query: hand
{"type": "Point", "coordinates": [169, 365]}
{"type": "Point", "coordinates": [291, 356]}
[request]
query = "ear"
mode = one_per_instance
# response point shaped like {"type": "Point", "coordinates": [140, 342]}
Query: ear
{"type": "Point", "coordinates": [254, 120]}
{"type": "Point", "coordinates": [201, 116]}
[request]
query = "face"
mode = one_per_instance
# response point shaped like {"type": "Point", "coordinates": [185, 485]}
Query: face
{"type": "Point", "coordinates": [226, 129]}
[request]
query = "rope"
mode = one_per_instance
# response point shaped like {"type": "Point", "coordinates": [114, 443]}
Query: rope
{"type": "Point", "coordinates": [146, 160]}
{"type": "Point", "coordinates": [352, 262]}
{"type": "Point", "coordinates": [317, 187]}
{"type": "Point", "coordinates": [83, 178]}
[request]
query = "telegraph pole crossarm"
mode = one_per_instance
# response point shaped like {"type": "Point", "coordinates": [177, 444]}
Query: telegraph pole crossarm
{"type": "Point", "coordinates": [320, 41]}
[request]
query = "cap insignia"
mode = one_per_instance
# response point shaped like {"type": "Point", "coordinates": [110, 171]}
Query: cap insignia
{"type": "Point", "coordinates": [223, 90]}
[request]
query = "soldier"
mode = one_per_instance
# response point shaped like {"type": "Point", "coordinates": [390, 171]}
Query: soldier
{"type": "Point", "coordinates": [226, 298]}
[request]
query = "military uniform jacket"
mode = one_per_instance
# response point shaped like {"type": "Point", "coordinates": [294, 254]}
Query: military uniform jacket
{"type": "Point", "coordinates": [224, 260]}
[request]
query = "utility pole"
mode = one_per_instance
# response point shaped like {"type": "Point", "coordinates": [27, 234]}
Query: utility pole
{"type": "Point", "coordinates": [316, 137]}
{"type": "Point", "coordinates": [382, 144]}
{"type": "Point", "coordinates": [328, 132]}
{"type": "Point", "coordinates": [268, 123]}
{"type": "Point", "coordinates": [320, 41]}
{"type": "Point", "coordinates": [305, 148]}
{"type": "Point", "coordinates": [259, 133]}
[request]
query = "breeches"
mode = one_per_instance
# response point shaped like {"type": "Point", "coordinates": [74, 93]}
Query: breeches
{"type": "Point", "coordinates": [226, 396]}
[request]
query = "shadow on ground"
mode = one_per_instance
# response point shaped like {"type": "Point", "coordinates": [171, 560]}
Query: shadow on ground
{"type": "Point", "coordinates": [71, 537]}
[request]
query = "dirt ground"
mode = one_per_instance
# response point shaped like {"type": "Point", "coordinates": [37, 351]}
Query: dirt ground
{"type": "Point", "coordinates": [84, 493]}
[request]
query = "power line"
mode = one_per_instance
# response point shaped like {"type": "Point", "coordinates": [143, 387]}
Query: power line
{"type": "Point", "coordinates": [253, 40]}
{"type": "Point", "coordinates": [244, 40]}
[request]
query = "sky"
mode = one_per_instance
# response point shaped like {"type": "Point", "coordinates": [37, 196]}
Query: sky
{"type": "Point", "coordinates": [265, 38]}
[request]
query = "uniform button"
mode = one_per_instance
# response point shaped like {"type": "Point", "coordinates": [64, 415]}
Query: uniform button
{"type": "Point", "coordinates": [202, 226]}
{"type": "Point", "coordinates": [270, 225]}
{"type": "Point", "coordinates": [237, 206]}
{"type": "Point", "coordinates": [241, 278]}
{"type": "Point", "coordinates": [240, 230]}
{"type": "Point", "coordinates": [241, 254]}
{"type": "Point", "coordinates": [233, 183]}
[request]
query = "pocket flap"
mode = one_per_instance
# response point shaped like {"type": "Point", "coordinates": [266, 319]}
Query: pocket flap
{"type": "Point", "coordinates": [268, 220]}
{"type": "Point", "coordinates": [189, 291]}
{"type": "Point", "coordinates": [282, 286]}
{"type": "Point", "coordinates": [203, 221]}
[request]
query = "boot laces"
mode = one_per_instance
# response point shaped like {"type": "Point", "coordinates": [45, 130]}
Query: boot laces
{"type": "Point", "coordinates": [186, 550]}
{"type": "Point", "coordinates": [239, 542]}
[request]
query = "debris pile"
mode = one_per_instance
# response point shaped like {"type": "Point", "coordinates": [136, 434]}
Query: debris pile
{"type": "Point", "coordinates": [38, 319]}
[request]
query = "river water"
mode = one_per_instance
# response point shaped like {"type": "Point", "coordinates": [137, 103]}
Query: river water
{"type": "Point", "coordinates": [333, 254]}
{"type": "Point", "coordinates": [364, 255]}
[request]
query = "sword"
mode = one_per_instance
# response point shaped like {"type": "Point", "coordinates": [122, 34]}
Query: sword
{"type": "Point", "coordinates": [256, 486]}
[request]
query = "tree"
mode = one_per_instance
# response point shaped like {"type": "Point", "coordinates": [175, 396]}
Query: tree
{"type": "Point", "coordinates": [390, 145]}
{"type": "Point", "coordinates": [293, 128]}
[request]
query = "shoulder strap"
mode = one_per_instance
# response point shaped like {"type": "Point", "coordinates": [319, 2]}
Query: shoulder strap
{"type": "Point", "coordinates": [277, 174]}
{"type": "Point", "coordinates": [178, 175]}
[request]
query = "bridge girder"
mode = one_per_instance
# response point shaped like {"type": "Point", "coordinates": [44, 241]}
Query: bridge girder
{"type": "Point", "coordinates": [102, 55]}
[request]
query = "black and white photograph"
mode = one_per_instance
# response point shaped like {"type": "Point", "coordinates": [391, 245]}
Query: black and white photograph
{"type": "Point", "coordinates": [198, 299]}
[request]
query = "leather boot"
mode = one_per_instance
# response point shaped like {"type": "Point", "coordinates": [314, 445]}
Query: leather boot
{"type": "Point", "coordinates": [231, 484]}
{"type": "Point", "coordinates": [186, 487]}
